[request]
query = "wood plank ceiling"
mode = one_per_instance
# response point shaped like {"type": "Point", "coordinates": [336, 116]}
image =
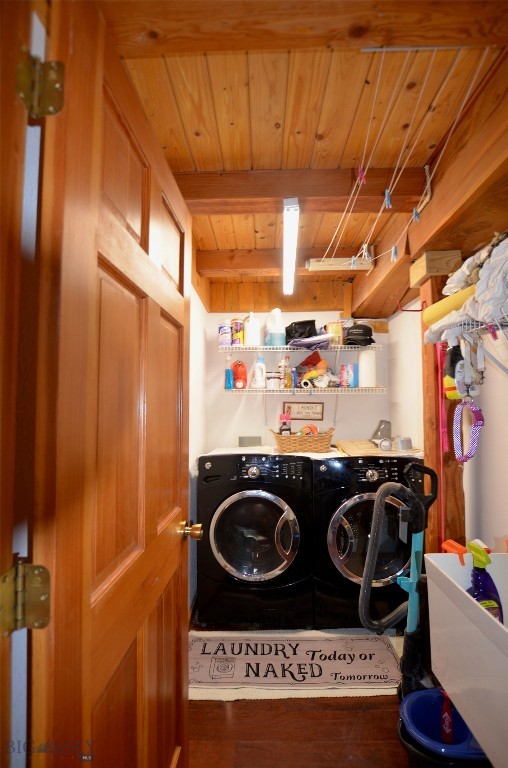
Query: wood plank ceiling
{"type": "Point", "coordinates": [253, 102]}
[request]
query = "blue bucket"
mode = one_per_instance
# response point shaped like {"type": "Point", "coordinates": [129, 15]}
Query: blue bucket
{"type": "Point", "coordinates": [420, 713]}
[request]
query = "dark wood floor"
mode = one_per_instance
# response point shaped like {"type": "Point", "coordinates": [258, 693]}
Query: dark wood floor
{"type": "Point", "coordinates": [296, 733]}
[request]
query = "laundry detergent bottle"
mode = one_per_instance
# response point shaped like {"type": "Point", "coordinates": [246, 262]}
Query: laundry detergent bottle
{"type": "Point", "coordinates": [258, 374]}
{"type": "Point", "coordinates": [482, 586]}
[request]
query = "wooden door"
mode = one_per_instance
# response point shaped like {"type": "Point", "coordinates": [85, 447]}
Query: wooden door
{"type": "Point", "coordinates": [110, 672]}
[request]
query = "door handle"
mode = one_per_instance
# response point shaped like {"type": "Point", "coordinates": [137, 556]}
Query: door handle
{"type": "Point", "coordinates": [194, 530]}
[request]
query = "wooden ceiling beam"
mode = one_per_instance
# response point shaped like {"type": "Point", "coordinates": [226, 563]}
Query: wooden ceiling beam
{"type": "Point", "coordinates": [148, 28]}
{"type": "Point", "coordinates": [263, 262]}
{"type": "Point", "coordinates": [236, 192]}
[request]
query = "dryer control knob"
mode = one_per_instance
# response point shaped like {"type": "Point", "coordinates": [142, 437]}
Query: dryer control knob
{"type": "Point", "coordinates": [371, 475]}
{"type": "Point", "coordinates": [253, 472]}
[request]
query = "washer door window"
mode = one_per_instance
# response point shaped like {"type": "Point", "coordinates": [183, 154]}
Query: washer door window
{"type": "Point", "coordinates": [254, 535]}
{"type": "Point", "coordinates": [348, 539]}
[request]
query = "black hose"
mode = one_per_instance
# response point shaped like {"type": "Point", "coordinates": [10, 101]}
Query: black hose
{"type": "Point", "coordinates": [407, 496]}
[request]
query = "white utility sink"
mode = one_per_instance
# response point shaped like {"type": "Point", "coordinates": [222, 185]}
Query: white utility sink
{"type": "Point", "coordinates": [469, 648]}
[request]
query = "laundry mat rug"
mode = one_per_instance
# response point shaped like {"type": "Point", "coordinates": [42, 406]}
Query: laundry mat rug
{"type": "Point", "coordinates": [226, 666]}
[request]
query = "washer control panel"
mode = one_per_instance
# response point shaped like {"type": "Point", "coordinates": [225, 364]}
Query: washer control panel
{"type": "Point", "coordinates": [362, 472]}
{"type": "Point", "coordinates": [371, 474]}
{"type": "Point", "coordinates": [271, 467]}
{"type": "Point", "coordinates": [253, 467]}
{"type": "Point", "coordinates": [375, 469]}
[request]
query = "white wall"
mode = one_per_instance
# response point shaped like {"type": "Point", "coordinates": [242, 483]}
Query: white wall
{"type": "Point", "coordinates": [485, 474]}
{"type": "Point", "coordinates": [218, 418]}
{"type": "Point", "coordinates": [231, 414]}
{"type": "Point", "coordinates": [405, 374]}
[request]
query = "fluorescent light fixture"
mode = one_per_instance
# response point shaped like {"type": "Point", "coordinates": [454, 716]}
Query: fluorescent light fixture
{"type": "Point", "coordinates": [291, 219]}
{"type": "Point", "coordinates": [329, 265]}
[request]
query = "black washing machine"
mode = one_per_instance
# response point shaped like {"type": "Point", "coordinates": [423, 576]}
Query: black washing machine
{"type": "Point", "coordinates": [343, 503]}
{"type": "Point", "coordinates": [254, 560]}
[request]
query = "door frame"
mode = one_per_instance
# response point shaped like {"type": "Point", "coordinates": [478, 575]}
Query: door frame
{"type": "Point", "coordinates": [15, 34]}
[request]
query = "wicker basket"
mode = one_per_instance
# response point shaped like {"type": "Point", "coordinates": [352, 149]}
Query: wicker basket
{"type": "Point", "coordinates": [298, 443]}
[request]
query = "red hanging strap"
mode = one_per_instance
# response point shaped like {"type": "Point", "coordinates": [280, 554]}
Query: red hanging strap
{"type": "Point", "coordinates": [441, 350]}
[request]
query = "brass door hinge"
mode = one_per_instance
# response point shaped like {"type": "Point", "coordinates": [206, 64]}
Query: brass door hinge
{"type": "Point", "coordinates": [24, 598]}
{"type": "Point", "coordinates": [40, 85]}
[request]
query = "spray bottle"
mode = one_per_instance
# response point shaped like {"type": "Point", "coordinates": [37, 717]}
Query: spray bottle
{"type": "Point", "coordinates": [482, 586]}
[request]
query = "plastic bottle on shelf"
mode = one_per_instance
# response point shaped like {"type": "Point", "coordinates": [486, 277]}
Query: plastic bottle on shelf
{"type": "Point", "coordinates": [352, 374]}
{"type": "Point", "coordinates": [275, 331]}
{"type": "Point", "coordinates": [239, 374]}
{"type": "Point", "coordinates": [252, 331]}
{"type": "Point", "coordinates": [288, 375]}
{"type": "Point", "coordinates": [282, 369]}
{"type": "Point", "coordinates": [229, 382]}
{"type": "Point", "coordinates": [258, 374]}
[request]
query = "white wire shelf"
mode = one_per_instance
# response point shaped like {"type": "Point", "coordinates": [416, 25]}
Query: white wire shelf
{"type": "Point", "coordinates": [500, 324]}
{"type": "Point", "coordinates": [237, 348]}
{"type": "Point", "coordinates": [314, 392]}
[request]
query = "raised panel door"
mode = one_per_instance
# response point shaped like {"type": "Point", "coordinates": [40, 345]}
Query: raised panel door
{"type": "Point", "coordinates": [110, 673]}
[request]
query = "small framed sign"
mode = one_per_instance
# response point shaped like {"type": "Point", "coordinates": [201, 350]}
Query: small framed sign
{"type": "Point", "coordinates": [304, 411]}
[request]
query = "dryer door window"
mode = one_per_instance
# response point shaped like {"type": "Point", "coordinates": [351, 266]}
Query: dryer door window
{"type": "Point", "coordinates": [348, 539]}
{"type": "Point", "coordinates": [254, 535]}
